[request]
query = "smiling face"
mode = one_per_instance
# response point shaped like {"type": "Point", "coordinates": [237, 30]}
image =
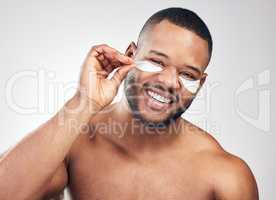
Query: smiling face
{"type": "Point", "coordinates": [159, 97]}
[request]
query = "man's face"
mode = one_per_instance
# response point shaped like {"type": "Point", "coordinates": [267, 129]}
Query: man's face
{"type": "Point", "coordinates": [178, 51]}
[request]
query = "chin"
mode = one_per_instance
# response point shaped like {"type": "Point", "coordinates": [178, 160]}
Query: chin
{"type": "Point", "coordinates": [157, 119]}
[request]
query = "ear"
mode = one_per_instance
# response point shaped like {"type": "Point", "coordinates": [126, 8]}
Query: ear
{"type": "Point", "coordinates": [131, 49]}
{"type": "Point", "coordinates": [203, 78]}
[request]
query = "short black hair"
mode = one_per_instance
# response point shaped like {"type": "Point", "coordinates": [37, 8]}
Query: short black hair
{"type": "Point", "coordinates": [184, 18]}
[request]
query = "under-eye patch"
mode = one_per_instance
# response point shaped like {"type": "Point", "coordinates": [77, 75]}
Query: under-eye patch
{"type": "Point", "coordinates": [148, 66]}
{"type": "Point", "coordinates": [190, 85]}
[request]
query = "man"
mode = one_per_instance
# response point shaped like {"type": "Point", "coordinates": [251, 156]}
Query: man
{"type": "Point", "coordinates": [138, 148]}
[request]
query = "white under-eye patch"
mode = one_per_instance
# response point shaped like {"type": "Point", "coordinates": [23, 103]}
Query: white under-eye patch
{"type": "Point", "coordinates": [190, 85]}
{"type": "Point", "coordinates": [148, 66]}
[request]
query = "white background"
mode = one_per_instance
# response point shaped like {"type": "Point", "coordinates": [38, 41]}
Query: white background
{"type": "Point", "coordinates": [53, 37]}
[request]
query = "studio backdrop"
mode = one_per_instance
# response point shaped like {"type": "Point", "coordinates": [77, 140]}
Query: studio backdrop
{"type": "Point", "coordinates": [43, 44]}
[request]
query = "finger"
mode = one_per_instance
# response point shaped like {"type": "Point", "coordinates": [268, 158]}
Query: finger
{"type": "Point", "coordinates": [113, 55]}
{"type": "Point", "coordinates": [109, 68]}
{"type": "Point", "coordinates": [102, 74]}
{"type": "Point", "coordinates": [92, 59]}
{"type": "Point", "coordinates": [94, 51]}
{"type": "Point", "coordinates": [120, 74]}
{"type": "Point", "coordinates": [124, 59]}
{"type": "Point", "coordinates": [109, 62]}
{"type": "Point", "coordinates": [105, 62]}
{"type": "Point", "coordinates": [104, 48]}
{"type": "Point", "coordinates": [110, 58]}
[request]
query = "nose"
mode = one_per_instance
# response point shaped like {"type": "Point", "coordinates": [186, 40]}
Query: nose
{"type": "Point", "coordinates": [169, 77]}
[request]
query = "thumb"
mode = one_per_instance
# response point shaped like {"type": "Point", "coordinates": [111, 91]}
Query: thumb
{"type": "Point", "coordinates": [120, 74]}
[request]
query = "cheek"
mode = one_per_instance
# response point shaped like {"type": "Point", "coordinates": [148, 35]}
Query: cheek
{"type": "Point", "coordinates": [144, 77]}
{"type": "Point", "coordinates": [136, 79]}
{"type": "Point", "coordinates": [185, 98]}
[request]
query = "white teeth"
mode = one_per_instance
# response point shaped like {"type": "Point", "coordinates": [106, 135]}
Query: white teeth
{"type": "Point", "coordinates": [158, 97]}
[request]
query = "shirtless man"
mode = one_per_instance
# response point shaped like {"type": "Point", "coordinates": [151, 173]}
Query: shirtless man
{"type": "Point", "coordinates": [157, 154]}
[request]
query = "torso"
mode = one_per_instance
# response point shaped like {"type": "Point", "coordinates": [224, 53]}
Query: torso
{"type": "Point", "coordinates": [99, 170]}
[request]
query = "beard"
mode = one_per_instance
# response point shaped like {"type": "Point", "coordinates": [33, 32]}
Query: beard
{"type": "Point", "coordinates": [132, 87]}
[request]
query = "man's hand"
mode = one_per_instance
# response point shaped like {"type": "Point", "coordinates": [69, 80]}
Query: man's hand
{"type": "Point", "coordinates": [99, 63]}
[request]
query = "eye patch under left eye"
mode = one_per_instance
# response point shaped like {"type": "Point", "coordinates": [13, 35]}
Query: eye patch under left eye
{"type": "Point", "coordinates": [190, 85]}
{"type": "Point", "coordinates": [147, 66]}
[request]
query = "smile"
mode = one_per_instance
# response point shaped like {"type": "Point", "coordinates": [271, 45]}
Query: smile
{"type": "Point", "coordinates": [158, 97]}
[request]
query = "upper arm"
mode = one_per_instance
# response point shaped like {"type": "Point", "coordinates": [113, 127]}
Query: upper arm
{"type": "Point", "coordinates": [235, 181]}
{"type": "Point", "coordinates": [57, 183]}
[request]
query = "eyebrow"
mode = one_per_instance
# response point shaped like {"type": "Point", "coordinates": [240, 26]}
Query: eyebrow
{"type": "Point", "coordinates": [166, 56]}
{"type": "Point", "coordinates": [194, 69]}
{"type": "Point", "coordinates": [159, 53]}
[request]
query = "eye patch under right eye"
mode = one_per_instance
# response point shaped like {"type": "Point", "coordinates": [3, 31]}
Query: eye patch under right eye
{"type": "Point", "coordinates": [147, 66]}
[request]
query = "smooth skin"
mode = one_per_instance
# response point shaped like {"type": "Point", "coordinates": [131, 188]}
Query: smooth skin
{"type": "Point", "coordinates": [130, 163]}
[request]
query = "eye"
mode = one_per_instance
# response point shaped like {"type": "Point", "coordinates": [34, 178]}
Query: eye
{"type": "Point", "coordinates": [188, 76]}
{"type": "Point", "coordinates": [157, 62]}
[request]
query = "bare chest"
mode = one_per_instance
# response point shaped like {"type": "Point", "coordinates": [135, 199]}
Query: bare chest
{"type": "Point", "coordinates": [106, 176]}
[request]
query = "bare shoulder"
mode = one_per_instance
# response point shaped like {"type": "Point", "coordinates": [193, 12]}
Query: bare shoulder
{"type": "Point", "coordinates": [231, 176]}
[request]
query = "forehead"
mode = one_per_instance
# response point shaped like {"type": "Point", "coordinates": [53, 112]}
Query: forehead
{"type": "Point", "coordinates": [183, 47]}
